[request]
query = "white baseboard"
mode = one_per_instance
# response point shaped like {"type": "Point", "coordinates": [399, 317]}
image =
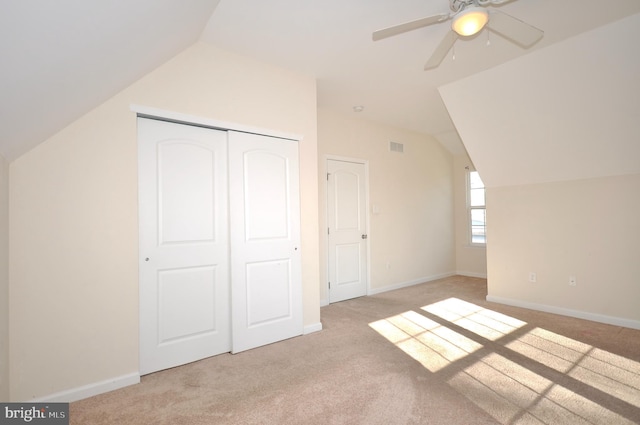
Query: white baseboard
{"type": "Point", "coordinates": [309, 329]}
{"type": "Point", "coordinates": [409, 283]}
{"type": "Point", "coordinates": [90, 390]}
{"type": "Point", "coordinates": [601, 318]}
{"type": "Point", "coordinates": [324, 303]}
{"type": "Point", "coordinates": [472, 274]}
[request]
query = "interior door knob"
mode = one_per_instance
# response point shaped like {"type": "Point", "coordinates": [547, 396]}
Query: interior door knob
{"type": "Point", "coordinates": [364, 236]}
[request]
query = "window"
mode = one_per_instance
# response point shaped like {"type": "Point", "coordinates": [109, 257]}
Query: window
{"type": "Point", "coordinates": [477, 210]}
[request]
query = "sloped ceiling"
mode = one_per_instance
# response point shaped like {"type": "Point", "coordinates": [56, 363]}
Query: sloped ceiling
{"type": "Point", "coordinates": [570, 111]}
{"type": "Point", "coordinates": [331, 39]}
{"type": "Point", "coordinates": [62, 58]}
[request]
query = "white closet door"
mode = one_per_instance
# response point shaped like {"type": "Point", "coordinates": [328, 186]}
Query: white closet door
{"type": "Point", "coordinates": [265, 240]}
{"type": "Point", "coordinates": [184, 277]}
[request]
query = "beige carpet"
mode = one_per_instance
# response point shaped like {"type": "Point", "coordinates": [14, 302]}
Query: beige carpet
{"type": "Point", "coordinates": [434, 353]}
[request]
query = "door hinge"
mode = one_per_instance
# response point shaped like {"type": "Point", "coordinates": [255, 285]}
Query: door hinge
{"type": "Point", "coordinates": [328, 231]}
{"type": "Point", "coordinates": [329, 285]}
{"type": "Point", "coordinates": [328, 174]}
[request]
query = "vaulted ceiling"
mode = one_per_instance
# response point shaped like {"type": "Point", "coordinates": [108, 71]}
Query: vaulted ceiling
{"type": "Point", "coordinates": [60, 59]}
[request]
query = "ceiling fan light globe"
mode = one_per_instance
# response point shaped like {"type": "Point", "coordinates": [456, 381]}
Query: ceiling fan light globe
{"type": "Point", "coordinates": [470, 21]}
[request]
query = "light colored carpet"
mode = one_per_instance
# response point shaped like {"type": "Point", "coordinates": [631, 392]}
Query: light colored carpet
{"type": "Point", "coordinates": [435, 353]}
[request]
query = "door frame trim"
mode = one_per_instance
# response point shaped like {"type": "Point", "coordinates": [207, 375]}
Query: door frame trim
{"type": "Point", "coordinates": [324, 236]}
{"type": "Point", "coordinates": [194, 120]}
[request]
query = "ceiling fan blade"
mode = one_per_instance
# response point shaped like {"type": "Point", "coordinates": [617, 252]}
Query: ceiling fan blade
{"type": "Point", "coordinates": [514, 29]}
{"type": "Point", "coordinates": [442, 50]}
{"type": "Point", "coordinates": [409, 26]}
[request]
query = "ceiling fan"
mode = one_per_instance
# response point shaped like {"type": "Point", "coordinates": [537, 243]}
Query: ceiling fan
{"type": "Point", "coordinates": [468, 18]}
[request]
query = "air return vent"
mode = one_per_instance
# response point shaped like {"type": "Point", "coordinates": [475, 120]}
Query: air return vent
{"type": "Point", "coordinates": [396, 147]}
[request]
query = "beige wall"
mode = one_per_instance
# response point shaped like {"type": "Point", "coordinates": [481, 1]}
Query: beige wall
{"type": "Point", "coordinates": [585, 228]}
{"type": "Point", "coordinates": [414, 230]}
{"type": "Point", "coordinates": [74, 233]}
{"type": "Point", "coordinates": [549, 151]}
{"type": "Point", "coordinates": [471, 260]}
{"type": "Point", "coordinates": [4, 279]}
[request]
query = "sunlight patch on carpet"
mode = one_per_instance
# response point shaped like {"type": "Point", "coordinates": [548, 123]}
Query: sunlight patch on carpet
{"type": "Point", "coordinates": [597, 368]}
{"type": "Point", "coordinates": [481, 321]}
{"type": "Point", "coordinates": [513, 394]}
{"type": "Point", "coordinates": [433, 345]}
{"type": "Point", "coordinates": [505, 384]}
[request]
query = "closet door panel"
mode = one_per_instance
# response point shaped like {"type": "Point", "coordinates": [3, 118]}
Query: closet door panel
{"type": "Point", "coordinates": [184, 244]}
{"type": "Point", "coordinates": [265, 240]}
{"type": "Point", "coordinates": [266, 203]}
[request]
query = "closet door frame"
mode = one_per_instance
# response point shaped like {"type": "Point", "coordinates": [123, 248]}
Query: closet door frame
{"type": "Point", "coordinates": [188, 119]}
{"type": "Point", "coordinates": [185, 119]}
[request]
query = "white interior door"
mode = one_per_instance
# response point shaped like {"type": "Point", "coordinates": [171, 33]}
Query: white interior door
{"type": "Point", "coordinates": [265, 240]}
{"type": "Point", "coordinates": [184, 264]}
{"type": "Point", "coordinates": [346, 217]}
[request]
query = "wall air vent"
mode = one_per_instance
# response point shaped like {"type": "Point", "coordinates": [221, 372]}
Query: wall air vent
{"type": "Point", "coordinates": [396, 147]}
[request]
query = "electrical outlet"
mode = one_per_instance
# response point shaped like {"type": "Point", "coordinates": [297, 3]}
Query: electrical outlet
{"type": "Point", "coordinates": [532, 277]}
{"type": "Point", "coordinates": [572, 281]}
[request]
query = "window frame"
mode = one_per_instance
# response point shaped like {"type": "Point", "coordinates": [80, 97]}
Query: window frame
{"type": "Point", "coordinates": [470, 208]}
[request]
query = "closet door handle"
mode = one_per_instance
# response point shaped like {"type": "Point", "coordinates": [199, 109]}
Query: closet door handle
{"type": "Point", "coordinates": [364, 236]}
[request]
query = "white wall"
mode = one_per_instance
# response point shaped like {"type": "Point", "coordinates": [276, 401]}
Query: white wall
{"type": "Point", "coordinates": [414, 230]}
{"type": "Point", "coordinates": [4, 279]}
{"type": "Point", "coordinates": [471, 260]}
{"type": "Point", "coordinates": [554, 135]}
{"type": "Point", "coordinates": [73, 206]}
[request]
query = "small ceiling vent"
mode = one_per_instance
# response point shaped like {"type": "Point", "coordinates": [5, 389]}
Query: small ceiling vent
{"type": "Point", "coordinates": [396, 147]}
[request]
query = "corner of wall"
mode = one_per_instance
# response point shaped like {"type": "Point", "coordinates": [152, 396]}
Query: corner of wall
{"type": "Point", "coordinates": [78, 262]}
{"type": "Point", "coordinates": [4, 279]}
{"type": "Point", "coordinates": [412, 231]}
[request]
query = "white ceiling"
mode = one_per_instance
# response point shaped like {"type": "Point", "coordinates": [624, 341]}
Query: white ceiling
{"type": "Point", "coordinates": [331, 39]}
{"type": "Point", "coordinates": [62, 58]}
